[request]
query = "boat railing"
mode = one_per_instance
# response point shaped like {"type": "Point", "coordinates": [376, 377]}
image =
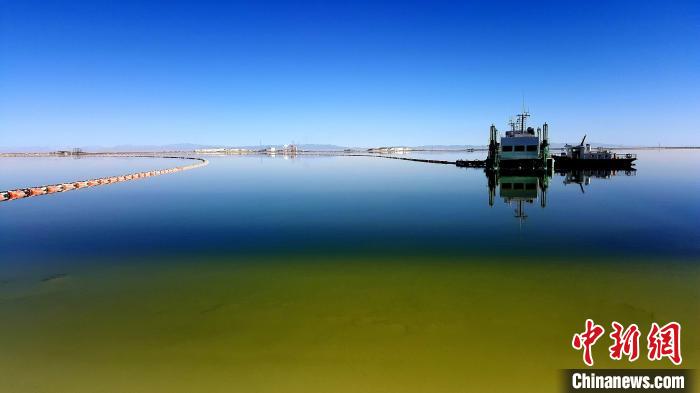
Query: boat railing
{"type": "Point", "coordinates": [624, 155]}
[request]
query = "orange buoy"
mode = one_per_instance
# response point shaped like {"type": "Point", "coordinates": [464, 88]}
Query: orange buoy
{"type": "Point", "coordinates": [36, 191]}
{"type": "Point", "coordinates": [16, 194]}
{"type": "Point", "coordinates": [52, 189]}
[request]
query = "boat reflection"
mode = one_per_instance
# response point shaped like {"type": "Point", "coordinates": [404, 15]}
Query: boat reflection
{"type": "Point", "coordinates": [519, 190]}
{"type": "Point", "coordinates": [522, 189]}
{"type": "Point", "coordinates": [583, 177]}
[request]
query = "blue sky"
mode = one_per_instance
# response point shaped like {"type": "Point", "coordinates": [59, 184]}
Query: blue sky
{"type": "Point", "coordinates": [351, 73]}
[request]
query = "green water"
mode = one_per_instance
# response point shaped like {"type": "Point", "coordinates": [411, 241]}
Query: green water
{"type": "Point", "coordinates": [322, 323]}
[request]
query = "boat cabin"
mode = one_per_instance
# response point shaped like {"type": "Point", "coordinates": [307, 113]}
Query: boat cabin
{"type": "Point", "coordinates": [521, 142]}
{"type": "Point", "coordinates": [584, 152]}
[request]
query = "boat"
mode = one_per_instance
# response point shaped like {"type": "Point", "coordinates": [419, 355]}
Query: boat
{"type": "Point", "coordinates": [582, 156]}
{"type": "Point", "coordinates": [521, 149]}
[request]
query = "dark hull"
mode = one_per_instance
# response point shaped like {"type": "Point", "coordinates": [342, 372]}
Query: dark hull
{"type": "Point", "coordinates": [561, 162]}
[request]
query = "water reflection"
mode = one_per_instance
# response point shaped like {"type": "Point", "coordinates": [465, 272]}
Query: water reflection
{"type": "Point", "coordinates": [522, 189]}
{"type": "Point", "coordinates": [583, 177]}
{"type": "Point", "coordinates": [518, 190]}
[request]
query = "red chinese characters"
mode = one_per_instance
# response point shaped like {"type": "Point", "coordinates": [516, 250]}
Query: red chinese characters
{"type": "Point", "coordinates": [662, 342]}
{"type": "Point", "coordinates": [625, 342]}
{"type": "Point", "coordinates": [665, 342]}
{"type": "Point", "coordinates": [586, 339]}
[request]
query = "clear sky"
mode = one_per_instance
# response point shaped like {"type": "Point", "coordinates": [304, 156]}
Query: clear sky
{"type": "Point", "coordinates": [351, 73]}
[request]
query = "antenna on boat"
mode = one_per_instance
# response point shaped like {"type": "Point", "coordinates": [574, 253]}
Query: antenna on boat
{"type": "Point", "coordinates": [583, 140]}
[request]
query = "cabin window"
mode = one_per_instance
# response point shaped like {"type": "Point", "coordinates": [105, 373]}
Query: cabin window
{"type": "Point", "coordinates": [519, 148]}
{"type": "Point", "coordinates": [507, 148]}
{"type": "Point", "coordinates": [530, 186]}
{"type": "Point", "coordinates": [532, 148]}
{"type": "Point", "coordinates": [506, 186]}
{"type": "Point", "coordinates": [518, 186]}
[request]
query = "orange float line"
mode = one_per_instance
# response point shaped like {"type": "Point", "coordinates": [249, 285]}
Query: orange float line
{"type": "Point", "coordinates": [55, 188]}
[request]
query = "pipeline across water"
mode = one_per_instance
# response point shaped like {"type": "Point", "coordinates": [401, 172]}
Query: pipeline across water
{"type": "Point", "coordinates": [20, 193]}
{"type": "Point", "coordinates": [403, 158]}
{"type": "Point", "coordinates": [459, 163]}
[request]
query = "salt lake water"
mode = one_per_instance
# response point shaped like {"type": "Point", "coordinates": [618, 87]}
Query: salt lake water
{"type": "Point", "coordinates": [320, 273]}
{"type": "Point", "coordinates": [257, 204]}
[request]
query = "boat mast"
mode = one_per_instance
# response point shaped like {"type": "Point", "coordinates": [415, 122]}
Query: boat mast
{"type": "Point", "coordinates": [522, 120]}
{"type": "Point", "coordinates": [524, 114]}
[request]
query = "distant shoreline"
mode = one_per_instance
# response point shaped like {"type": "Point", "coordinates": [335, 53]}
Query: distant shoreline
{"type": "Point", "coordinates": [300, 152]}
